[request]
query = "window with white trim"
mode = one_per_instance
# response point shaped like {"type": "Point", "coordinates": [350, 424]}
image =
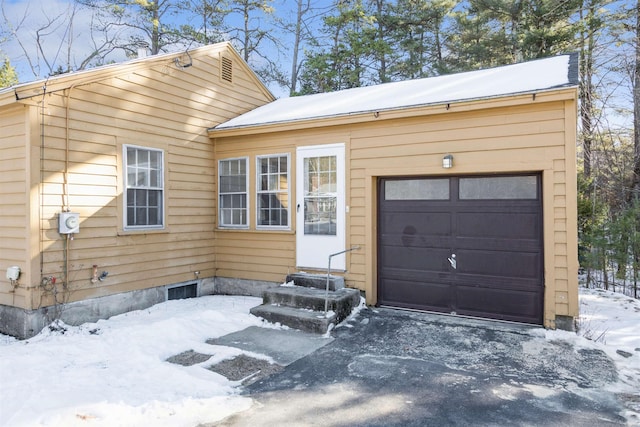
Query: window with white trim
{"type": "Point", "coordinates": [233, 187]}
{"type": "Point", "coordinates": [273, 191]}
{"type": "Point", "coordinates": [144, 184]}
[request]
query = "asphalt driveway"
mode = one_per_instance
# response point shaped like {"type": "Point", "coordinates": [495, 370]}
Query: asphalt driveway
{"type": "Point", "coordinates": [397, 368]}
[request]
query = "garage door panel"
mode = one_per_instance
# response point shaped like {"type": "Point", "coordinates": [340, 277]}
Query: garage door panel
{"type": "Point", "coordinates": [410, 294]}
{"type": "Point", "coordinates": [415, 241]}
{"type": "Point", "coordinates": [499, 263]}
{"type": "Point", "coordinates": [498, 282]}
{"type": "Point", "coordinates": [499, 304]}
{"type": "Point", "coordinates": [418, 276]}
{"type": "Point", "coordinates": [401, 257]}
{"type": "Point", "coordinates": [497, 244]}
{"type": "Point", "coordinates": [511, 225]}
{"type": "Point", "coordinates": [417, 223]}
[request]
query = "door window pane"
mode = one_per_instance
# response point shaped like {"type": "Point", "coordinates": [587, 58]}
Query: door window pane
{"type": "Point", "coordinates": [499, 187]}
{"type": "Point", "coordinates": [320, 215]}
{"type": "Point", "coordinates": [417, 189]}
{"type": "Point", "coordinates": [320, 195]}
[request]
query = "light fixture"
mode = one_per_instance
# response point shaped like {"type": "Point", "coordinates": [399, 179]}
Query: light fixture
{"type": "Point", "coordinates": [447, 161]}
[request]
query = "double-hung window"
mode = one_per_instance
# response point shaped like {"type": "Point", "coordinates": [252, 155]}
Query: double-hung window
{"type": "Point", "coordinates": [144, 183]}
{"type": "Point", "coordinates": [273, 191]}
{"type": "Point", "coordinates": [233, 186]}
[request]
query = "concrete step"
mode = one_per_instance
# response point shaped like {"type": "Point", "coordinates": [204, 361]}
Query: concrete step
{"type": "Point", "coordinates": [318, 281]}
{"type": "Point", "coordinates": [342, 301]}
{"type": "Point", "coordinates": [297, 318]}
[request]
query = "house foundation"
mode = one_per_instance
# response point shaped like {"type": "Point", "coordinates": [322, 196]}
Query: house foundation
{"type": "Point", "coordinates": [24, 324]}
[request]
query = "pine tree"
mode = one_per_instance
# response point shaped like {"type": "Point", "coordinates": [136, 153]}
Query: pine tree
{"type": "Point", "coordinates": [419, 31]}
{"type": "Point", "coordinates": [496, 32]}
{"type": "Point", "coordinates": [8, 75]}
{"type": "Point", "coordinates": [352, 55]}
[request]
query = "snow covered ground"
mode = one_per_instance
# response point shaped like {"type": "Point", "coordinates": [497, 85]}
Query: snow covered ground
{"type": "Point", "coordinates": [114, 372]}
{"type": "Point", "coordinates": [611, 322]}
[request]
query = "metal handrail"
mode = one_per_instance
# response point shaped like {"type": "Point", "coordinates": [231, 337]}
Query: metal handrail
{"type": "Point", "coordinates": [326, 291]}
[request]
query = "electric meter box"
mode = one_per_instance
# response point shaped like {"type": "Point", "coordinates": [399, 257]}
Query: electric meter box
{"type": "Point", "coordinates": [68, 222]}
{"type": "Point", "coordinates": [13, 273]}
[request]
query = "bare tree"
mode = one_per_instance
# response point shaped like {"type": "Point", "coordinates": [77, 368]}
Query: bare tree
{"type": "Point", "coordinates": [255, 39]}
{"type": "Point", "coordinates": [140, 23]}
{"type": "Point", "coordinates": [57, 30]}
{"type": "Point", "coordinates": [306, 19]}
{"type": "Point", "coordinates": [208, 24]}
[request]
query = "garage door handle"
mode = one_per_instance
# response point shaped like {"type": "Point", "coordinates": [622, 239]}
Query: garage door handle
{"type": "Point", "coordinates": [453, 261]}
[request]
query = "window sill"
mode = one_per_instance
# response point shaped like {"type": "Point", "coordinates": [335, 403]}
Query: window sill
{"type": "Point", "coordinates": [256, 230]}
{"type": "Point", "coordinates": [129, 232]}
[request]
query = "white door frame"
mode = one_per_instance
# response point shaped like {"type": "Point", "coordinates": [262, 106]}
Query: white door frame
{"type": "Point", "coordinates": [313, 248]}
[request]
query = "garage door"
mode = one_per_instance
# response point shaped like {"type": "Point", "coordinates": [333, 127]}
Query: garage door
{"type": "Point", "coordinates": [462, 245]}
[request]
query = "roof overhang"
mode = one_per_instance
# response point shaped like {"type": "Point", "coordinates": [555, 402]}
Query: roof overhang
{"type": "Point", "coordinates": [26, 91]}
{"type": "Point", "coordinates": [564, 93]}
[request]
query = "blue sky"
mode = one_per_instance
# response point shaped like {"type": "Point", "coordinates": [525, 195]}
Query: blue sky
{"type": "Point", "coordinates": [29, 15]}
{"type": "Point", "coordinates": [32, 14]}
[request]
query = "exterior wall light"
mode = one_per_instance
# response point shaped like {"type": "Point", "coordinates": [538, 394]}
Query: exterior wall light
{"type": "Point", "coordinates": [447, 161]}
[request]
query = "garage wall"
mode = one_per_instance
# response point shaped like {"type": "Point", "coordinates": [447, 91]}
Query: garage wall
{"type": "Point", "coordinates": [520, 134]}
{"type": "Point", "coordinates": [534, 137]}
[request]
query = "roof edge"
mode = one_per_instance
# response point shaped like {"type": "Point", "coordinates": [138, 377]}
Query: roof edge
{"type": "Point", "coordinates": [83, 77]}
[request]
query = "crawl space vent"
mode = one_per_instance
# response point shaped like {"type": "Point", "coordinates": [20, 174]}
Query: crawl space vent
{"type": "Point", "coordinates": [182, 292]}
{"type": "Point", "coordinates": [226, 70]}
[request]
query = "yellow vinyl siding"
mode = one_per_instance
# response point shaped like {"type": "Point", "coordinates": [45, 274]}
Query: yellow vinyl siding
{"type": "Point", "coordinates": [156, 106]}
{"type": "Point", "coordinates": [14, 193]}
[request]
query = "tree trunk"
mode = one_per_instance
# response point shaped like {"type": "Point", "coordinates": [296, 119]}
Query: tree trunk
{"type": "Point", "coordinates": [155, 34]}
{"type": "Point", "coordinates": [635, 188]}
{"type": "Point", "coordinates": [586, 85]}
{"type": "Point", "coordinates": [296, 48]}
{"type": "Point", "coordinates": [382, 60]}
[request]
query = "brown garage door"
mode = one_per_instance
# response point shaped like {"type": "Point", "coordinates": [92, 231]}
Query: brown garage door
{"type": "Point", "coordinates": [464, 245]}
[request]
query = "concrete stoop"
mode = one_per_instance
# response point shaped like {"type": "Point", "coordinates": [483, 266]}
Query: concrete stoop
{"type": "Point", "coordinates": [318, 281]}
{"type": "Point", "coordinates": [302, 306]}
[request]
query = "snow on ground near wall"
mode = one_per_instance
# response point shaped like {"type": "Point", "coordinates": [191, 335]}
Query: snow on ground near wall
{"type": "Point", "coordinates": [610, 318]}
{"type": "Point", "coordinates": [114, 372]}
{"type": "Point", "coordinates": [610, 322]}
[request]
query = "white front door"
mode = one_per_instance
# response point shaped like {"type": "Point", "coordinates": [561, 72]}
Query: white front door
{"type": "Point", "coordinates": [320, 208]}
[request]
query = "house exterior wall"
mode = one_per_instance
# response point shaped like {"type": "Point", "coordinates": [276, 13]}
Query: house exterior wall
{"type": "Point", "coordinates": [14, 193]}
{"type": "Point", "coordinates": [515, 135]}
{"type": "Point", "coordinates": [85, 127]}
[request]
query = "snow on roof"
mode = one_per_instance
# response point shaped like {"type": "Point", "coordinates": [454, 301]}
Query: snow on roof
{"type": "Point", "coordinates": [532, 76]}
